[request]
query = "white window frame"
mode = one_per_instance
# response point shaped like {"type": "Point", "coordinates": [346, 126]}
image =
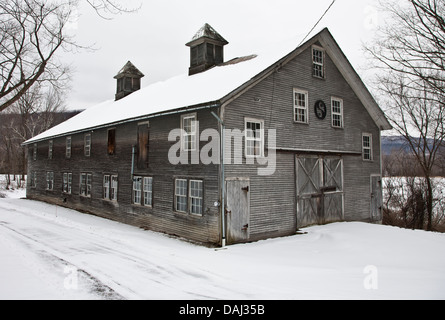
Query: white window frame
{"type": "Point", "coordinates": [147, 186]}
{"type": "Point", "coordinates": [106, 186]}
{"type": "Point", "coordinates": [50, 180]}
{"type": "Point", "coordinates": [181, 194]}
{"type": "Point", "coordinates": [335, 115]}
{"type": "Point", "coordinates": [114, 185]}
{"type": "Point", "coordinates": [50, 149]}
{"type": "Point", "coordinates": [68, 142]}
{"type": "Point", "coordinates": [189, 136]}
{"type": "Point", "coordinates": [196, 202]}
{"type": "Point", "coordinates": [137, 190]}
{"type": "Point", "coordinates": [87, 144]}
{"type": "Point", "coordinates": [298, 108]}
{"type": "Point", "coordinates": [248, 138]}
{"type": "Point", "coordinates": [67, 182]}
{"type": "Point", "coordinates": [367, 147]}
{"type": "Point", "coordinates": [85, 186]}
{"type": "Point", "coordinates": [317, 63]}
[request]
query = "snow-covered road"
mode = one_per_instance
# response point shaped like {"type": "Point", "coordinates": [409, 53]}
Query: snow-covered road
{"type": "Point", "coordinates": [49, 252]}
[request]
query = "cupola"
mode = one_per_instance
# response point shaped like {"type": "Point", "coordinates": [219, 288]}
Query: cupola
{"type": "Point", "coordinates": [206, 49]}
{"type": "Point", "coordinates": [128, 80]}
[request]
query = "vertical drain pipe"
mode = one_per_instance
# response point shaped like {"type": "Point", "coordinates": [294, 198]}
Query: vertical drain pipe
{"type": "Point", "coordinates": [223, 218]}
{"type": "Point", "coordinates": [133, 151]}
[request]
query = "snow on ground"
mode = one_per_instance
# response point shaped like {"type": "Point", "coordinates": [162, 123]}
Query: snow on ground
{"type": "Point", "coordinates": [49, 252]}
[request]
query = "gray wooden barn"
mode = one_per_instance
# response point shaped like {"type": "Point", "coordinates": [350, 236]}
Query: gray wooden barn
{"type": "Point", "coordinates": [301, 146]}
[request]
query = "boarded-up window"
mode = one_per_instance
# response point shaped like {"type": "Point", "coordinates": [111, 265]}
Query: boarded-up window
{"type": "Point", "coordinates": [111, 141]}
{"type": "Point", "coordinates": [143, 139]}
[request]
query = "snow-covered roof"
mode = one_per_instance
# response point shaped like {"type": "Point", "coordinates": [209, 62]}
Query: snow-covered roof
{"type": "Point", "coordinates": [206, 31]}
{"type": "Point", "coordinates": [209, 88]}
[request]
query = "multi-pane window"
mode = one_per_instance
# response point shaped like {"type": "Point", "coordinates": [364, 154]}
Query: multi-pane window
{"type": "Point", "coordinates": [195, 196]}
{"type": "Point", "coordinates": [85, 184]}
{"type": "Point", "coordinates": [181, 195]}
{"type": "Point", "coordinates": [148, 191]}
{"type": "Point", "coordinates": [110, 185]}
{"type": "Point", "coordinates": [300, 106]}
{"type": "Point", "coordinates": [113, 188]}
{"type": "Point", "coordinates": [87, 148]}
{"type": "Point", "coordinates": [50, 180]}
{"type": "Point", "coordinates": [337, 113]}
{"type": "Point", "coordinates": [367, 146]}
{"type": "Point", "coordinates": [67, 182]}
{"type": "Point", "coordinates": [254, 138]}
{"type": "Point", "coordinates": [189, 196]}
{"type": "Point", "coordinates": [107, 187]}
{"type": "Point", "coordinates": [50, 149]}
{"type": "Point", "coordinates": [317, 62]}
{"type": "Point", "coordinates": [137, 190]}
{"type": "Point", "coordinates": [68, 147]}
{"type": "Point", "coordinates": [189, 125]}
{"type": "Point", "coordinates": [143, 191]}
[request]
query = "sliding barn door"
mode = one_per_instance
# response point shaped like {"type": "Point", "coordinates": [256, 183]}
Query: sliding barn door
{"type": "Point", "coordinates": [319, 190]}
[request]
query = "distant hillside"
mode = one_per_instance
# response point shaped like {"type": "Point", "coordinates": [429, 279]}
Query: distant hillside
{"type": "Point", "coordinates": [394, 143]}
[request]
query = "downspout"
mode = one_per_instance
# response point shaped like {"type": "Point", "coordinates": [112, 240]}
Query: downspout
{"type": "Point", "coordinates": [222, 182]}
{"type": "Point", "coordinates": [133, 151]}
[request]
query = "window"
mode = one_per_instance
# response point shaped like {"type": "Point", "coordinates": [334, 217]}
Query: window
{"type": "Point", "coordinates": [50, 149]}
{"type": "Point", "coordinates": [67, 182]}
{"type": "Point", "coordinates": [189, 196]}
{"type": "Point", "coordinates": [68, 147]}
{"type": "Point", "coordinates": [33, 180]}
{"type": "Point", "coordinates": [50, 180]}
{"type": "Point", "coordinates": [87, 148]}
{"type": "Point", "coordinates": [142, 145]}
{"type": "Point", "coordinates": [181, 195]}
{"type": "Point", "coordinates": [300, 106]}
{"type": "Point", "coordinates": [137, 190]}
{"type": "Point", "coordinates": [34, 152]}
{"type": "Point", "coordinates": [113, 188]}
{"type": "Point", "coordinates": [107, 187]}
{"type": "Point", "coordinates": [337, 112]}
{"type": "Point", "coordinates": [148, 191]}
{"type": "Point", "coordinates": [85, 184]}
{"type": "Point", "coordinates": [189, 125]}
{"type": "Point", "coordinates": [367, 146]}
{"type": "Point", "coordinates": [111, 141]}
{"type": "Point", "coordinates": [317, 62]}
{"type": "Point", "coordinates": [254, 138]}
{"type": "Point", "coordinates": [110, 187]}
{"type": "Point", "coordinates": [195, 196]}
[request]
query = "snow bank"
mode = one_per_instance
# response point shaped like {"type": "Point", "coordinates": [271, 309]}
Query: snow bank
{"type": "Point", "coordinates": [46, 249]}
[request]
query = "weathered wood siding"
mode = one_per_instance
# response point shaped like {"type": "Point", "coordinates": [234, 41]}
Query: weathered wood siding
{"type": "Point", "coordinates": [161, 216]}
{"type": "Point", "coordinates": [273, 198]}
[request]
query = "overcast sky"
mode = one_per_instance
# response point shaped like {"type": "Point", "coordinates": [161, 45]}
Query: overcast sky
{"type": "Point", "coordinates": [154, 37]}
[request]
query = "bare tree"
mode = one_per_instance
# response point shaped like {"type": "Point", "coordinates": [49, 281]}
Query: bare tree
{"type": "Point", "coordinates": [410, 51]}
{"type": "Point", "coordinates": [31, 33]}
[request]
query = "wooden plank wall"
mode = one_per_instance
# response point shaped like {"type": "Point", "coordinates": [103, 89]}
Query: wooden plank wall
{"type": "Point", "coordinates": [273, 208]}
{"type": "Point", "coordinates": [161, 217]}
